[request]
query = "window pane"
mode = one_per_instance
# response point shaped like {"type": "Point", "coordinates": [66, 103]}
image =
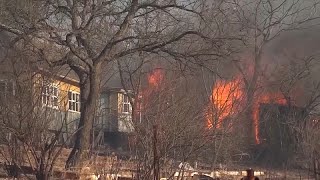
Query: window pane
{"type": "Point", "coordinates": [125, 107]}
{"type": "Point", "coordinates": [74, 104]}
{"type": "Point", "coordinates": [55, 101]}
{"type": "Point", "coordinates": [70, 105]}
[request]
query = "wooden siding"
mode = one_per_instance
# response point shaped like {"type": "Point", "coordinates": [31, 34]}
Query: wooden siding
{"type": "Point", "coordinates": [63, 89]}
{"type": "Point", "coordinates": [61, 116]}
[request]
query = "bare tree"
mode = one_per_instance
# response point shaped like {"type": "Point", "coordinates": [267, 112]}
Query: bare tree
{"type": "Point", "coordinates": [91, 34]}
{"type": "Point", "coordinates": [168, 126]}
{"type": "Point", "coordinates": [299, 77]}
{"type": "Point", "coordinates": [259, 23]}
{"type": "Point", "coordinates": [31, 130]}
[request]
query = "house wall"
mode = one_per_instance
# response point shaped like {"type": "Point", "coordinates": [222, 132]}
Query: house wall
{"type": "Point", "coordinates": [28, 75]}
{"type": "Point", "coordinates": [124, 119]}
{"type": "Point", "coordinates": [60, 118]}
{"type": "Point", "coordinates": [115, 125]}
{"type": "Point", "coordinates": [110, 116]}
{"type": "Point", "coordinates": [107, 113]}
{"type": "Point", "coordinates": [278, 137]}
{"type": "Point", "coordinates": [26, 98]}
{"type": "Point", "coordinates": [64, 88]}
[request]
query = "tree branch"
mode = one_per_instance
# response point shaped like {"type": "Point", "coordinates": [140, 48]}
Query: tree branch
{"type": "Point", "coordinates": [156, 6]}
{"type": "Point", "coordinates": [154, 45]}
{"type": "Point", "coordinates": [122, 30]}
{"type": "Point", "coordinates": [10, 29]}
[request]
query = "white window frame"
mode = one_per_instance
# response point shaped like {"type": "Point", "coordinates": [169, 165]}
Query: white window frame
{"type": "Point", "coordinates": [125, 102]}
{"type": "Point", "coordinates": [50, 95]}
{"type": "Point", "coordinates": [74, 98]}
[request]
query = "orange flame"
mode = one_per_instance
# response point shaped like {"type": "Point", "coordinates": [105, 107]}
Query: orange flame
{"type": "Point", "coordinates": [224, 101]}
{"type": "Point", "coordinates": [155, 77]}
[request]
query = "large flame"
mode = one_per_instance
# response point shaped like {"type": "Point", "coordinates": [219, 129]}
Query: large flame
{"type": "Point", "coordinates": [227, 98]}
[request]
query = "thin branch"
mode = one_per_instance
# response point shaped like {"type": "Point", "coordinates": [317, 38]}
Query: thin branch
{"type": "Point", "coordinates": [121, 32]}
{"type": "Point", "coordinates": [10, 29]}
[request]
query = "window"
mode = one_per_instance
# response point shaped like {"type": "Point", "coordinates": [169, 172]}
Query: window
{"type": "Point", "coordinates": [74, 101]}
{"type": "Point", "coordinates": [126, 106]}
{"type": "Point", "coordinates": [6, 89]}
{"type": "Point", "coordinates": [50, 95]}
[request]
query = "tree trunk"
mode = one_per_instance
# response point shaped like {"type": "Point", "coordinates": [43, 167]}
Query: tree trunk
{"type": "Point", "coordinates": [42, 175]}
{"type": "Point", "coordinates": [89, 94]}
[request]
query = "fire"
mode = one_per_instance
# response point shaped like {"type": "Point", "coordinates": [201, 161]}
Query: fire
{"type": "Point", "coordinates": [227, 98]}
{"type": "Point", "coordinates": [155, 78]}
{"type": "Point", "coordinates": [264, 98]}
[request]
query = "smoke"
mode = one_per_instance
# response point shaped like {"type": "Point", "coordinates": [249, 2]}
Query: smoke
{"type": "Point", "coordinates": [291, 63]}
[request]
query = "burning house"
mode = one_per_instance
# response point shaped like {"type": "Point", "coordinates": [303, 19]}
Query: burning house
{"type": "Point", "coordinates": [114, 124]}
{"type": "Point", "coordinates": [229, 99]}
{"type": "Point", "coordinates": [267, 123]}
{"type": "Point", "coordinates": [276, 132]}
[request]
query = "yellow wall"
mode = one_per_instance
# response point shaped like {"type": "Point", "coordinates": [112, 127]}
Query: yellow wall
{"type": "Point", "coordinates": [63, 86]}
